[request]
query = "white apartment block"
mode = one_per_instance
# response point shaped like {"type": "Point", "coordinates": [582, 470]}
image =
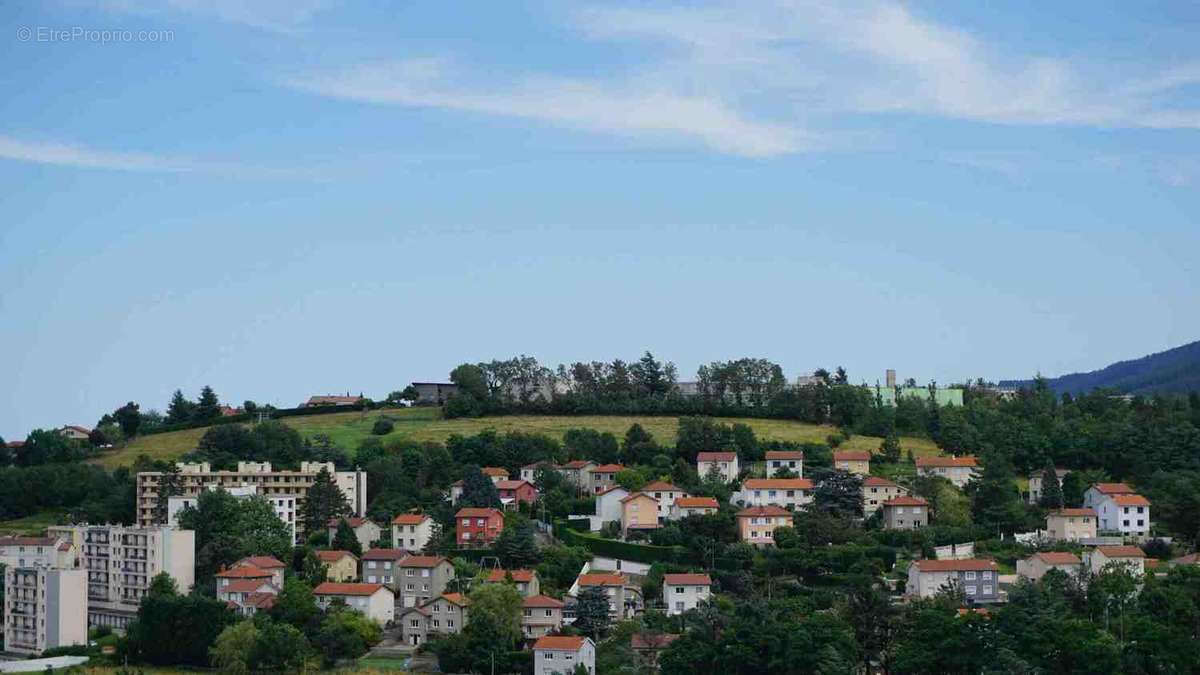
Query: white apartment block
{"type": "Point", "coordinates": [411, 531]}
{"type": "Point", "coordinates": [270, 483]}
{"type": "Point", "coordinates": [682, 592]}
{"type": "Point", "coordinates": [44, 608]}
{"type": "Point", "coordinates": [121, 562]}
{"type": "Point", "coordinates": [283, 505]}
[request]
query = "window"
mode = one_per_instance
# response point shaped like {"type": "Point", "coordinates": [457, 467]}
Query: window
{"type": "Point", "coordinates": [970, 590]}
{"type": "Point", "coordinates": [529, 612]}
{"type": "Point", "coordinates": [679, 605]}
{"type": "Point", "coordinates": [449, 623]}
{"type": "Point", "coordinates": [414, 623]}
{"type": "Point", "coordinates": [549, 613]}
{"type": "Point", "coordinates": [679, 590]}
{"type": "Point", "coordinates": [987, 590]}
{"type": "Point", "coordinates": [548, 655]}
{"type": "Point", "coordinates": [970, 576]}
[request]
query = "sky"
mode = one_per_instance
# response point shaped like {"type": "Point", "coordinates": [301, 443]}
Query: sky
{"type": "Point", "coordinates": [284, 198]}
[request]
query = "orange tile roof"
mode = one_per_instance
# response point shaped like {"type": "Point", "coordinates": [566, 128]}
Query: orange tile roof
{"type": "Point", "coordinates": [969, 565]}
{"type": "Point", "coordinates": [410, 519]}
{"type": "Point", "coordinates": [422, 561]}
{"type": "Point", "coordinates": [520, 576]}
{"type": "Point", "coordinates": [851, 455]}
{"type": "Point", "coordinates": [608, 468]}
{"type": "Point", "coordinates": [354, 522]}
{"type": "Point", "coordinates": [763, 511]}
{"type": "Point", "coordinates": [576, 464]}
{"type": "Point", "coordinates": [1113, 488]}
{"type": "Point", "coordinates": [906, 501]}
{"type": "Point", "coordinates": [243, 586]}
{"type": "Point", "coordinates": [876, 481]}
{"type": "Point", "coordinates": [541, 601]}
{"type": "Point", "coordinates": [636, 495]}
{"type": "Point", "coordinates": [477, 512]}
{"type": "Point", "coordinates": [696, 502]}
{"type": "Point", "coordinates": [570, 643]}
{"type": "Point", "coordinates": [601, 580]}
{"type": "Point", "coordinates": [334, 556]}
{"type": "Point", "coordinates": [335, 588]}
{"type": "Point", "coordinates": [778, 484]}
{"type": "Point", "coordinates": [243, 572]}
{"type": "Point", "coordinates": [687, 579]}
{"type": "Point", "coordinates": [785, 454]}
{"type": "Point", "coordinates": [1121, 551]}
{"type": "Point", "coordinates": [260, 600]}
{"type": "Point", "coordinates": [610, 489]}
{"type": "Point", "coordinates": [1074, 512]}
{"type": "Point", "coordinates": [456, 598]}
{"type": "Point", "coordinates": [947, 461]}
{"type": "Point", "coordinates": [494, 471]}
{"type": "Point", "coordinates": [716, 456]}
{"type": "Point", "coordinates": [1058, 558]}
{"type": "Point", "coordinates": [660, 486]}
{"type": "Point", "coordinates": [263, 562]}
{"type": "Point", "coordinates": [1130, 500]}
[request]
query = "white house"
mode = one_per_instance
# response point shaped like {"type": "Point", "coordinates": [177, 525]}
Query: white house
{"type": "Point", "coordinates": [608, 504]}
{"type": "Point", "coordinates": [411, 531]}
{"type": "Point", "coordinates": [957, 470]}
{"type": "Point", "coordinates": [665, 494]}
{"type": "Point", "coordinates": [375, 601]}
{"type": "Point", "coordinates": [562, 654]}
{"type": "Point", "coordinates": [779, 460]}
{"type": "Point", "coordinates": [1131, 557]}
{"type": "Point", "coordinates": [725, 464]}
{"type": "Point", "coordinates": [790, 493]}
{"type": "Point", "coordinates": [1119, 509]}
{"type": "Point", "coordinates": [682, 592]}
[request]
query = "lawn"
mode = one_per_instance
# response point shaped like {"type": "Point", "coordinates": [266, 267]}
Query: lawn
{"type": "Point", "coordinates": [32, 525]}
{"type": "Point", "coordinates": [426, 424]}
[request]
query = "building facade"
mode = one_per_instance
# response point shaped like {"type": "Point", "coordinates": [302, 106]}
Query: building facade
{"type": "Point", "coordinates": [365, 530]}
{"type": "Point", "coordinates": [779, 461]}
{"type": "Point", "coordinates": [1118, 509]}
{"type": "Point", "coordinates": [423, 577]}
{"type": "Point", "coordinates": [722, 464]}
{"type": "Point", "coordinates": [682, 592]}
{"type": "Point", "coordinates": [876, 491]}
{"type": "Point", "coordinates": [382, 566]}
{"type": "Point", "coordinates": [789, 493]}
{"type": "Point", "coordinates": [563, 654]}
{"type": "Point", "coordinates": [412, 531]}
{"type": "Point", "coordinates": [978, 579]}
{"type": "Point", "coordinates": [541, 615]}
{"type": "Point", "coordinates": [853, 461]}
{"type": "Point", "coordinates": [757, 524]}
{"type": "Point", "coordinates": [44, 608]}
{"type": "Point", "coordinates": [374, 601]}
{"type": "Point", "coordinates": [905, 513]}
{"type": "Point", "coordinates": [957, 470]}
{"type": "Point", "coordinates": [1071, 524]}
{"type": "Point", "coordinates": [283, 505]}
{"type": "Point", "coordinates": [477, 526]}
{"type": "Point", "coordinates": [1035, 566]}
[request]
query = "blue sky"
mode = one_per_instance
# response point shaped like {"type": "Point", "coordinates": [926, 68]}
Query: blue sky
{"type": "Point", "coordinates": [288, 198]}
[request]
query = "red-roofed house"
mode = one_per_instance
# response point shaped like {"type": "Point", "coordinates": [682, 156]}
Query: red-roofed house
{"type": "Point", "coordinates": [340, 565]}
{"type": "Point", "coordinates": [496, 473]}
{"type": "Point", "coordinates": [382, 566]}
{"type": "Point", "coordinates": [1118, 509]}
{"type": "Point", "coordinates": [756, 525]}
{"type": "Point", "coordinates": [365, 531]}
{"type": "Point", "coordinates": [978, 579]}
{"type": "Point", "coordinates": [478, 527]}
{"type": "Point", "coordinates": [605, 476]}
{"type": "Point", "coordinates": [639, 511]}
{"type": "Point", "coordinates": [1035, 566]}
{"type": "Point", "coordinates": [623, 599]}
{"type": "Point", "coordinates": [780, 460]}
{"type": "Point", "coordinates": [423, 577]}
{"type": "Point", "coordinates": [246, 596]}
{"type": "Point", "coordinates": [905, 513]}
{"type": "Point", "coordinates": [541, 615]}
{"type": "Point", "coordinates": [526, 580]}
{"type": "Point", "coordinates": [682, 592]}
{"type": "Point", "coordinates": [1071, 524]}
{"type": "Point", "coordinates": [853, 461]}
{"type": "Point", "coordinates": [790, 493]}
{"type": "Point", "coordinates": [514, 492]}
{"type": "Point", "coordinates": [957, 470]}
{"type": "Point", "coordinates": [375, 601]}
{"type": "Point", "coordinates": [876, 491]}
{"type": "Point", "coordinates": [266, 563]}
{"type": "Point", "coordinates": [562, 655]}
{"type": "Point", "coordinates": [1131, 557]}
{"type": "Point", "coordinates": [75, 433]}
{"type": "Point", "coordinates": [722, 464]}
{"type": "Point", "coordinates": [693, 506]}
{"type": "Point", "coordinates": [665, 494]}
{"type": "Point", "coordinates": [578, 473]}
{"type": "Point", "coordinates": [412, 531]}
{"type": "Point", "coordinates": [443, 615]}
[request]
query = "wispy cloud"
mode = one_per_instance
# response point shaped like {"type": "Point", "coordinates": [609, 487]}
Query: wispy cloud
{"type": "Point", "coordinates": [276, 16]}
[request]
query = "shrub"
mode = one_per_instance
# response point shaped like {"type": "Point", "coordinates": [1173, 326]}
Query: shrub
{"type": "Point", "coordinates": [382, 427]}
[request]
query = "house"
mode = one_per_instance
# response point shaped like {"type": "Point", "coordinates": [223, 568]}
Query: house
{"type": "Point", "coordinates": [423, 577]}
{"type": "Point", "coordinates": [682, 592]}
{"type": "Point", "coordinates": [496, 473]}
{"type": "Point", "coordinates": [266, 563]}
{"type": "Point", "coordinates": [247, 596]}
{"type": "Point", "coordinates": [526, 580]}
{"type": "Point", "coordinates": [440, 616]}
{"type": "Point", "coordinates": [514, 492]}
{"type": "Point", "coordinates": [1071, 524]}
{"type": "Point", "coordinates": [529, 471]}
{"type": "Point", "coordinates": [1131, 557]}
{"type": "Point", "coordinates": [382, 566]}
{"type": "Point", "coordinates": [876, 491]}
{"type": "Point", "coordinates": [75, 433]}
{"type": "Point", "coordinates": [1118, 509]}
{"type": "Point", "coordinates": [722, 464]}
{"type": "Point", "coordinates": [957, 470]}
{"type": "Point", "coordinates": [541, 615]}
{"type": "Point", "coordinates": [693, 506]}
{"type": "Point", "coordinates": [578, 473]}
{"type": "Point", "coordinates": [1035, 483]}
{"type": "Point", "coordinates": [648, 646]}
{"type": "Point", "coordinates": [756, 525]}
{"type": "Point", "coordinates": [1186, 560]}
{"type": "Point", "coordinates": [433, 393]}
{"type": "Point", "coordinates": [563, 654]}
{"type": "Point", "coordinates": [412, 531]}
{"type": "Point", "coordinates": [853, 461]}
{"type": "Point", "coordinates": [478, 526]}
{"type": "Point", "coordinates": [780, 460]}
{"type": "Point", "coordinates": [978, 579]}
{"type": "Point", "coordinates": [620, 602]}
{"type": "Point", "coordinates": [790, 493]}
{"type": "Point", "coordinates": [605, 476]}
{"type": "Point", "coordinates": [318, 401]}
{"type": "Point", "coordinates": [375, 601]}
{"type": "Point", "coordinates": [639, 511]}
{"type": "Point", "coordinates": [665, 494]}
{"type": "Point", "coordinates": [905, 513]}
{"type": "Point", "coordinates": [341, 565]}
{"type": "Point", "coordinates": [365, 531]}
{"type": "Point", "coordinates": [609, 506]}
{"type": "Point", "coordinates": [1035, 566]}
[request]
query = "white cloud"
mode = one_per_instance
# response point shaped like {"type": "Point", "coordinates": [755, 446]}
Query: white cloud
{"type": "Point", "coordinates": [64, 154]}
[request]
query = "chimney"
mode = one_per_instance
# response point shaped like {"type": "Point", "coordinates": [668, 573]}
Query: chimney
{"type": "Point", "coordinates": [891, 378]}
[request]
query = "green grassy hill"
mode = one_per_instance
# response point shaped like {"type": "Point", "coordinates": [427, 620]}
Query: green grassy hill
{"type": "Point", "coordinates": [426, 424]}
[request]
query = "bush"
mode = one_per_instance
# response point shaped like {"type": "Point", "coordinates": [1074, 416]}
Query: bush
{"type": "Point", "coordinates": [643, 553]}
{"type": "Point", "coordinates": [382, 427]}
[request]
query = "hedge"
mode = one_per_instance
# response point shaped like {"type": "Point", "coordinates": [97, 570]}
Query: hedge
{"type": "Point", "coordinates": [274, 414]}
{"type": "Point", "coordinates": [611, 548]}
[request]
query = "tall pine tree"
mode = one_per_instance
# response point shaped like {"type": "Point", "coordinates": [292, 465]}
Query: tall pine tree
{"type": "Point", "coordinates": [478, 490]}
{"type": "Point", "coordinates": [323, 503]}
{"type": "Point", "coordinates": [170, 484]}
{"type": "Point", "coordinates": [1052, 494]}
{"type": "Point", "coordinates": [209, 406]}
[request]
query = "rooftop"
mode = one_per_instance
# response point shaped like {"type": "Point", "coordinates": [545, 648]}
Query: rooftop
{"type": "Point", "coordinates": [335, 588]}
{"type": "Point", "coordinates": [948, 461]}
{"type": "Point", "coordinates": [851, 455]}
{"type": "Point", "coordinates": [410, 519]}
{"type": "Point", "coordinates": [687, 579]}
{"type": "Point", "coordinates": [596, 579]}
{"type": "Point", "coordinates": [541, 601]}
{"type": "Point", "coordinates": [570, 643]}
{"type": "Point", "coordinates": [968, 565]}
{"type": "Point", "coordinates": [785, 454]}
{"type": "Point", "coordinates": [763, 511]}
{"type": "Point", "coordinates": [778, 484]}
{"type": "Point", "coordinates": [1121, 551]}
{"type": "Point", "coordinates": [716, 456]}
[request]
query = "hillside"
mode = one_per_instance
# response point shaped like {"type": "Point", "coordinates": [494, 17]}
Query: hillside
{"type": "Point", "coordinates": [1175, 370]}
{"type": "Point", "coordinates": [426, 424]}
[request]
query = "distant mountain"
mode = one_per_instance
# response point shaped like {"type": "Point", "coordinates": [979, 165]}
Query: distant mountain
{"type": "Point", "coordinates": [1175, 370]}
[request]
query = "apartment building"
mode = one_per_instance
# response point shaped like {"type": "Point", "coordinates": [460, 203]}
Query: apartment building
{"type": "Point", "coordinates": [37, 552]}
{"type": "Point", "coordinates": [563, 654]}
{"type": "Point", "coordinates": [1071, 524]}
{"type": "Point", "coordinates": [682, 592]}
{"type": "Point", "coordinates": [722, 464]}
{"type": "Point", "coordinates": [639, 511]}
{"type": "Point", "coordinates": [779, 461]}
{"type": "Point", "coordinates": [876, 491]}
{"type": "Point", "coordinates": [270, 483]}
{"type": "Point", "coordinates": [283, 505]}
{"type": "Point", "coordinates": [478, 526]}
{"type": "Point", "coordinates": [444, 615]}
{"type": "Point", "coordinates": [412, 531]}
{"type": "Point", "coordinates": [853, 461]}
{"type": "Point", "coordinates": [978, 579]}
{"type": "Point", "coordinates": [789, 493]}
{"type": "Point", "coordinates": [121, 562]}
{"type": "Point", "coordinates": [541, 615]}
{"type": "Point", "coordinates": [957, 470]}
{"type": "Point", "coordinates": [423, 577]}
{"type": "Point", "coordinates": [44, 608]}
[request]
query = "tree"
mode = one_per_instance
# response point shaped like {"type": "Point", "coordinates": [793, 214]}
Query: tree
{"type": "Point", "coordinates": [163, 585]}
{"type": "Point", "coordinates": [1073, 487]}
{"type": "Point", "coordinates": [281, 648]}
{"type": "Point", "coordinates": [177, 629]}
{"type": "Point", "coordinates": [344, 539]}
{"type": "Point", "coordinates": [324, 502]}
{"type": "Point", "coordinates": [516, 545]}
{"type": "Point", "coordinates": [229, 528]}
{"type": "Point", "coordinates": [889, 449]}
{"type": "Point", "coordinates": [497, 607]}
{"type": "Point", "coordinates": [170, 484]}
{"type": "Point", "coordinates": [1052, 493]}
{"type": "Point", "coordinates": [346, 634]}
{"type": "Point", "coordinates": [591, 612]}
{"type": "Point", "coordinates": [840, 493]}
{"type": "Point", "coordinates": [382, 427]}
{"type": "Point", "coordinates": [180, 409]}
{"type": "Point", "coordinates": [233, 650]}
{"type": "Point", "coordinates": [129, 418]}
{"type": "Point", "coordinates": [478, 490]}
{"type": "Point", "coordinates": [296, 605]}
{"type": "Point", "coordinates": [208, 407]}
{"type": "Point", "coordinates": [6, 456]}
{"type": "Point", "coordinates": [43, 446]}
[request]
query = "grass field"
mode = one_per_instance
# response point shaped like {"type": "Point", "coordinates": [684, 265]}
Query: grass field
{"type": "Point", "coordinates": [32, 525]}
{"type": "Point", "coordinates": [426, 424]}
